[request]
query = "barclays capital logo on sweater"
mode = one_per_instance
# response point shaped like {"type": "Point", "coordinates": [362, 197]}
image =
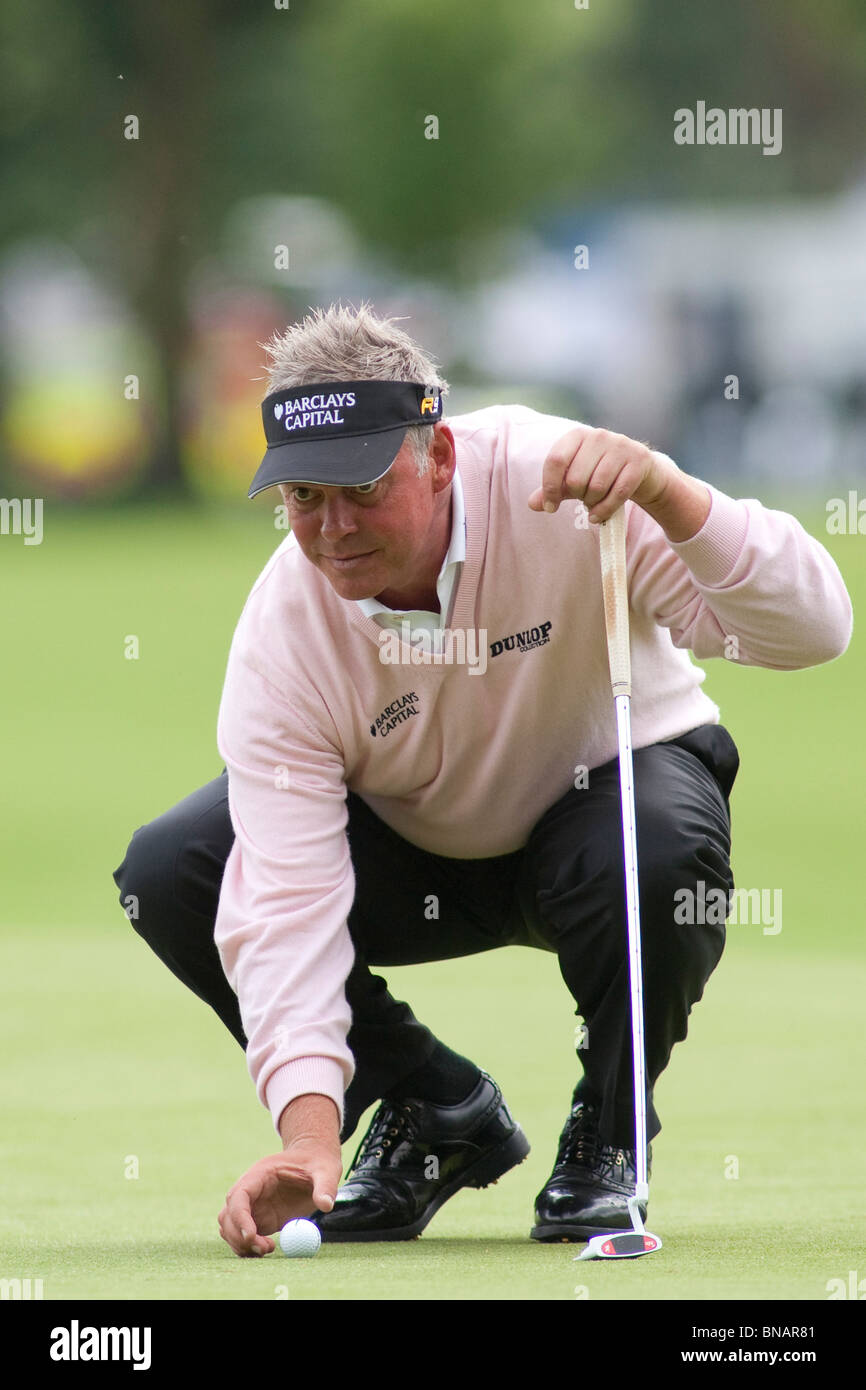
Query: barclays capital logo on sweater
{"type": "Point", "coordinates": [308, 411]}
{"type": "Point", "coordinates": [403, 708]}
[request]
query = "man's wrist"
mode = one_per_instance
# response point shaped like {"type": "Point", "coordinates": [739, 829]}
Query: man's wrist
{"type": "Point", "coordinates": [313, 1117]}
{"type": "Point", "coordinates": [681, 507]}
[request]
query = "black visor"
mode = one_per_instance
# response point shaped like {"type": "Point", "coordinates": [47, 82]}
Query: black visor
{"type": "Point", "coordinates": [343, 433]}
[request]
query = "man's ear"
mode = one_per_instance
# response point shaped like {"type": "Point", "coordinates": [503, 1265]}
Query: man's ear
{"type": "Point", "coordinates": [443, 456]}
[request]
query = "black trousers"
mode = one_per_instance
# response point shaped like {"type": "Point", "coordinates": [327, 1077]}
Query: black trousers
{"type": "Point", "coordinates": [564, 893]}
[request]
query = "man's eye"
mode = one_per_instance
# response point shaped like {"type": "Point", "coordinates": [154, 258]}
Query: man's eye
{"type": "Point", "coordinates": [302, 494]}
{"type": "Point", "coordinates": [366, 488]}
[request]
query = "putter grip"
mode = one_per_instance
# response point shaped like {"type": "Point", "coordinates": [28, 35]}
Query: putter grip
{"type": "Point", "coordinates": [615, 590]}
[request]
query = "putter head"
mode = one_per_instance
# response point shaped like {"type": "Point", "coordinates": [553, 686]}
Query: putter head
{"type": "Point", "coordinates": [620, 1245]}
{"type": "Point", "coordinates": [624, 1245]}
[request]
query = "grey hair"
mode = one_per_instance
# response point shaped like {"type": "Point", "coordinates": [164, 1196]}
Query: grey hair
{"type": "Point", "coordinates": [342, 343]}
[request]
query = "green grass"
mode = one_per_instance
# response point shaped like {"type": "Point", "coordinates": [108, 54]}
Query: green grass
{"type": "Point", "coordinates": [124, 1066]}
{"type": "Point", "coordinates": [108, 1059]}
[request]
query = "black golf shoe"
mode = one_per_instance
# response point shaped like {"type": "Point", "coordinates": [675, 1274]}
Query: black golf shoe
{"type": "Point", "coordinates": [414, 1156]}
{"type": "Point", "coordinates": [587, 1193]}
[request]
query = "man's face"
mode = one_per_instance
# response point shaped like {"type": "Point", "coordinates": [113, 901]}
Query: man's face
{"type": "Point", "coordinates": [387, 537]}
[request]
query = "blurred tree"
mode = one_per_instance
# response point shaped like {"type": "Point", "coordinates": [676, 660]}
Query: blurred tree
{"type": "Point", "coordinates": [143, 211]}
{"type": "Point", "coordinates": [807, 59]}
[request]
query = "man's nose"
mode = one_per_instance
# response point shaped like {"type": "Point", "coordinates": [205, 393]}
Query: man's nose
{"type": "Point", "coordinates": [338, 517]}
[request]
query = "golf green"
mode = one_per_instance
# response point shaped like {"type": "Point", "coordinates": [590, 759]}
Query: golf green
{"type": "Point", "coordinates": [128, 1110]}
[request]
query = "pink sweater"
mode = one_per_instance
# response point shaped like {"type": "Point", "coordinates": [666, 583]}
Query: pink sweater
{"type": "Point", "coordinates": [468, 752]}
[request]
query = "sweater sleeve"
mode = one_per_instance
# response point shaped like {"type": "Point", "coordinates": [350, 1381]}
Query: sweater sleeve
{"type": "Point", "coordinates": [281, 926]}
{"type": "Point", "coordinates": [751, 585]}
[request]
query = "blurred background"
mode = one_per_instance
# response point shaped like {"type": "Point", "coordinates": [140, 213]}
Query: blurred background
{"type": "Point", "coordinates": [184, 177]}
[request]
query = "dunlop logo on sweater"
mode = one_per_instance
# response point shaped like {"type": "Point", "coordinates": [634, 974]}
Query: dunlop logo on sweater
{"type": "Point", "coordinates": [523, 641]}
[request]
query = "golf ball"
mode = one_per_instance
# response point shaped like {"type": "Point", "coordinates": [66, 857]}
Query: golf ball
{"type": "Point", "coordinates": [299, 1239]}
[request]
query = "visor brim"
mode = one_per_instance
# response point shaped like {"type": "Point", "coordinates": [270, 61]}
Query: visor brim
{"type": "Point", "coordinates": [345, 462]}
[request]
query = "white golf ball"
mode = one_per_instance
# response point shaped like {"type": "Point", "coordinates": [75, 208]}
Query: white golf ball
{"type": "Point", "coordinates": [300, 1239]}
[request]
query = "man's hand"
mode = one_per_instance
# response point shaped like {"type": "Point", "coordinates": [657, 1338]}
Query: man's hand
{"type": "Point", "coordinates": [302, 1179]}
{"type": "Point", "coordinates": [604, 470]}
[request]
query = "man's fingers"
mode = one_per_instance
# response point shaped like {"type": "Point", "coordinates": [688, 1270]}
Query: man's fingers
{"type": "Point", "coordinates": [323, 1197]}
{"type": "Point", "coordinates": [569, 467]}
{"type": "Point", "coordinates": [619, 493]}
{"type": "Point", "coordinates": [246, 1243]}
{"type": "Point", "coordinates": [327, 1178]}
{"type": "Point", "coordinates": [321, 1182]}
{"type": "Point", "coordinates": [259, 1245]}
{"type": "Point", "coordinates": [231, 1233]}
{"type": "Point", "coordinates": [242, 1238]}
{"type": "Point", "coordinates": [603, 476]}
{"type": "Point", "coordinates": [600, 468]}
{"type": "Point", "coordinates": [556, 465]}
{"type": "Point", "coordinates": [614, 479]}
{"type": "Point", "coordinates": [238, 1208]}
{"type": "Point", "coordinates": [238, 1227]}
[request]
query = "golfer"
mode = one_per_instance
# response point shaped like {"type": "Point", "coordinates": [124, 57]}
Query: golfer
{"type": "Point", "coordinates": [420, 764]}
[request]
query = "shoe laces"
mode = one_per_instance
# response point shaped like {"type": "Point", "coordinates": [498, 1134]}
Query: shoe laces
{"type": "Point", "coordinates": [580, 1143]}
{"type": "Point", "coordinates": [393, 1123]}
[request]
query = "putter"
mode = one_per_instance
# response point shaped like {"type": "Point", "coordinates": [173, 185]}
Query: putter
{"type": "Point", "coordinates": [620, 1245]}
